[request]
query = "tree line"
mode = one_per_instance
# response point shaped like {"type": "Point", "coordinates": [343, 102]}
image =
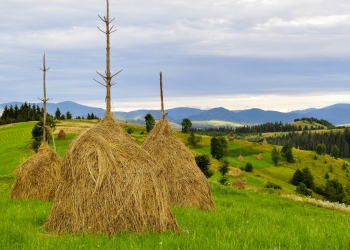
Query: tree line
{"type": "Point", "coordinates": [262, 128]}
{"type": "Point", "coordinates": [310, 141]}
{"type": "Point", "coordinates": [26, 112]}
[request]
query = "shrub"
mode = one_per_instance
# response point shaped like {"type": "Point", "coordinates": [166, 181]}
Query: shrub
{"type": "Point", "coordinates": [326, 176]}
{"type": "Point", "coordinates": [272, 185]}
{"type": "Point", "coordinates": [302, 189]}
{"type": "Point", "coordinates": [203, 162]}
{"type": "Point", "coordinates": [248, 167]}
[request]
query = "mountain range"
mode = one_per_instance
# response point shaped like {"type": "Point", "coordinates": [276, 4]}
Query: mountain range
{"type": "Point", "coordinates": [338, 114]}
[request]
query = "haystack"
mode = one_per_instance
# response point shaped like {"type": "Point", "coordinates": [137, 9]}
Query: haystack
{"type": "Point", "coordinates": [61, 135]}
{"type": "Point", "coordinates": [37, 177]}
{"type": "Point", "coordinates": [109, 184]}
{"type": "Point", "coordinates": [187, 185]}
{"type": "Point", "coordinates": [240, 158]}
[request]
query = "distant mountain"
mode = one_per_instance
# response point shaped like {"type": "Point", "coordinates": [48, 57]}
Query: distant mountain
{"type": "Point", "coordinates": [336, 114]}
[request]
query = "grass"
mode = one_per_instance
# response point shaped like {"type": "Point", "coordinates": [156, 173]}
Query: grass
{"type": "Point", "coordinates": [242, 220]}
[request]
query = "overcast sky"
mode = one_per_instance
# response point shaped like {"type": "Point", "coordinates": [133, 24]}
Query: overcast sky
{"type": "Point", "coordinates": [239, 54]}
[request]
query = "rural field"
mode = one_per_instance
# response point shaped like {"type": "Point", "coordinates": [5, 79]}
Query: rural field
{"type": "Point", "coordinates": [254, 218]}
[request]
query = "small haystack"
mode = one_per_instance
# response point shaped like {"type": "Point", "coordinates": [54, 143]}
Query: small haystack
{"type": "Point", "coordinates": [187, 185]}
{"type": "Point", "coordinates": [240, 158]}
{"type": "Point", "coordinates": [37, 177]}
{"type": "Point", "coordinates": [240, 183]}
{"type": "Point", "coordinates": [109, 184]}
{"type": "Point", "coordinates": [259, 156]}
{"type": "Point", "coordinates": [264, 142]}
{"type": "Point", "coordinates": [61, 135]}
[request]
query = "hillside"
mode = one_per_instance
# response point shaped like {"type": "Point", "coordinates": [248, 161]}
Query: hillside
{"type": "Point", "coordinates": [243, 219]}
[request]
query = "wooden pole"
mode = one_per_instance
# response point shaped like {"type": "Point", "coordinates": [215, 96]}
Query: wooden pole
{"type": "Point", "coordinates": [44, 69]}
{"type": "Point", "coordinates": [161, 94]}
{"type": "Point", "coordinates": [108, 76]}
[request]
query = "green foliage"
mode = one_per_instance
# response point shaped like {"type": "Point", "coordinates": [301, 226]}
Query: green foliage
{"type": "Point", "coordinates": [193, 139]}
{"type": "Point", "coordinates": [326, 176]}
{"type": "Point", "coordinates": [58, 114]}
{"type": "Point", "coordinates": [248, 167]}
{"type": "Point", "coordinates": [150, 122]}
{"type": "Point", "coordinates": [218, 147]}
{"type": "Point", "coordinates": [275, 155]}
{"type": "Point", "coordinates": [303, 176]}
{"type": "Point", "coordinates": [302, 189]}
{"type": "Point", "coordinates": [186, 125]}
{"type": "Point", "coordinates": [344, 166]}
{"type": "Point", "coordinates": [321, 149]}
{"type": "Point", "coordinates": [129, 130]}
{"type": "Point", "coordinates": [203, 162]}
{"type": "Point", "coordinates": [335, 151]}
{"type": "Point", "coordinates": [334, 190]}
{"type": "Point", "coordinates": [272, 185]}
{"type": "Point", "coordinates": [223, 169]}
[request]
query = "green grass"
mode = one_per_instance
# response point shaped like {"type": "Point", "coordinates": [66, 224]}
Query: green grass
{"type": "Point", "coordinates": [242, 220]}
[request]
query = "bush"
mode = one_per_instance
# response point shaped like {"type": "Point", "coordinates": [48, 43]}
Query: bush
{"type": "Point", "coordinates": [203, 162]}
{"type": "Point", "coordinates": [272, 185]}
{"type": "Point", "coordinates": [318, 190]}
{"type": "Point", "coordinates": [248, 167]}
{"type": "Point", "coordinates": [302, 189]}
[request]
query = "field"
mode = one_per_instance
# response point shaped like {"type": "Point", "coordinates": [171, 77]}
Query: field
{"type": "Point", "coordinates": [243, 219]}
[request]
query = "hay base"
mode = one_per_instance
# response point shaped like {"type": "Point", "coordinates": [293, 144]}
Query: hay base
{"type": "Point", "coordinates": [37, 178]}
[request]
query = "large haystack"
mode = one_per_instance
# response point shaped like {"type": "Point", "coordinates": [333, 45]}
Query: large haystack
{"type": "Point", "coordinates": [109, 184]}
{"type": "Point", "coordinates": [37, 178]}
{"type": "Point", "coordinates": [187, 185]}
{"type": "Point", "coordinates": [61, 135]}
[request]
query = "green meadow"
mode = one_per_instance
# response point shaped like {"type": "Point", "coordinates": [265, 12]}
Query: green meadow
{"type": "Point", "coordinates": [255, 218]}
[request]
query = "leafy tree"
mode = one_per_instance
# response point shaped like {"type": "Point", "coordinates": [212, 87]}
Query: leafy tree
{"type": "Point", "coordinates": [223, 169]}
{"type": "Point", "coordinates": [307, 178]}
{"type": "Point", "coordinates": [302, 189]}
{"type": "Point", "coordinates": [321, 149]}
{"type": "Point", "coordinates": [203, 162]}
{"type": "Point", "coordinates": [218, 147]}
{"type": "Point", "coordinates": [275, 155]}
{"type": "Point", "coordinates": [326, 176]}
{"type": "Point", "coordinates": [58, 114]}
{"type": "Point", "coordinates": [37, 132]}
{"type": "Point", "coordinates": [248, 167]}
{"type": "Point", "coordinates": [150, 122]}
{"type": "Point", "coordinates": [68, 115]}
{"type": "Point", "coordinates": [297, 177]}
{"type": "Point", "coordinates": [186, 125]}
{"type": "Point", "coordinates": [287, 152]}
{"type": "Point", "coordinates": [334, 190]}
{"type": "Point", "coordinates": [193, 140]}
{"type": "Point", "coordinates": [335, 151]}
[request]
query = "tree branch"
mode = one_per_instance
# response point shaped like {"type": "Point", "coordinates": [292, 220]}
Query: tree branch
{"type": "Point", "coordinates": [116, 73]}
{"type": "Point", "coordinates": [101, 30]}
{"type": "Point", "coordinates": [104, 77]}
{"type": "Point", "coordinates": [100, 83]}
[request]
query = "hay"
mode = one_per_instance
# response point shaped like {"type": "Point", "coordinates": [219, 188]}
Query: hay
{"type": "Point", "coordinates": [108, 185]}
{"type": "Point", "coordinates": [240, 158]}
{"type": "Point", "coordinates": [240, 183]}
{"type": "Point", "coordinates": [37, 177]}
{"type": "Point", "coordinates": [264, 142]}
{"type": "Point", "coordinates": [187, 185]}
{"type": "Point", "coordinates": [61, 135]}
{"type": "Point", "coordinates": [259, 156]}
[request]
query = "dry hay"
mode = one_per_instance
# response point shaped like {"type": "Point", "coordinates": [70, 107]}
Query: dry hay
{"type": "Point", "coordinates": [61, 135]}
{"type": "Point", "coordinates": [240, 158]}
{"type": "Point", "coordinates": [108, 185]}
{"type": "Point", "coordinates": [187, 185]}
{"type": "Point", "coordinates": [259, 156]}
{"type": "Point", "coordinates": [37, 178]}
{"type": "Point", "coordinates": [264, 142]}
{"type": "Point", "coordinates": [240, 183]}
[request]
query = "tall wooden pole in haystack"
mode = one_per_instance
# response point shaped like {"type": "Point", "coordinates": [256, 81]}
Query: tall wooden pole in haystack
{"type": "Point", "coordinates": [44, 100]}
{"type": "Point", "coordinates": [108, 77]}
{"type": "Point", "coordinates": [161, 94]}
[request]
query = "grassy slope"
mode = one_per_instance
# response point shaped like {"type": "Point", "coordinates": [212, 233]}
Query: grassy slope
{"type": "Point", "coordinates": [243, 220]}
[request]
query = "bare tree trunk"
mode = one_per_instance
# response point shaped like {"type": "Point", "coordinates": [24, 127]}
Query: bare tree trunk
{"type": "Point", "coordinates": [44, 69]}
{"type": "Point", "coordinates": [108, 77]}
{"type": "Point", "coordinates": [161, 94]}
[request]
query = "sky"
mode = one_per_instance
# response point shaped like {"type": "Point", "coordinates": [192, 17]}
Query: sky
{"type": "Point", "coordinates": [278, 55]}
